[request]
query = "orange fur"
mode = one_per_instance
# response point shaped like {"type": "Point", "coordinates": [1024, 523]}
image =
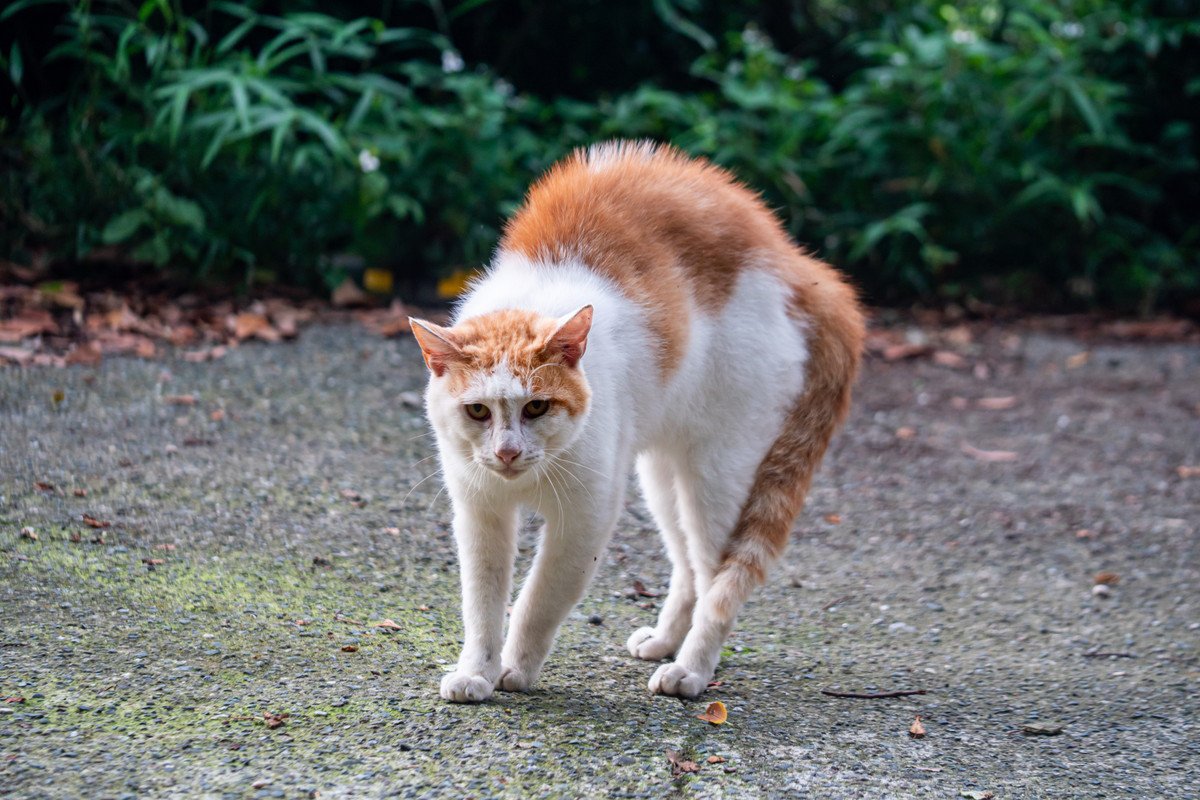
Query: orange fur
{"type": "Point", "coordinates": [663, 226]}
{"type": "Point", "coordinates": [521, 340]}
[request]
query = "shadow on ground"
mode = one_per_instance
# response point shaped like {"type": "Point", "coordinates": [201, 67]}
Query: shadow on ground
{"type": "Point", "coordinates": [258, 534]}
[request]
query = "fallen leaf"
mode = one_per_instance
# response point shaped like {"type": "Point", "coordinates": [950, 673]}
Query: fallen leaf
{"type": "Point", "coordinates": [996, 403]}
{"type": "Point", "coordinates": [351, 495]}
{"type": "Point", "coordinates": [833, 519]}
{"type": "Point", "coordinates": [274, 720]}
{"type": "Point", "coordinates": [715, 760]}
{"type": "Point", "coordinates": [302, 622]}
{"type": "Point", "coordinates": [92, 522]}
{"type": "Point", "coordinates": [348, 294]}
{"type": "Point", "coordinates": [28, 323]}
{"type": "Point", "coordinates": [79, 492]}
{"type": "Point", "coordinates": [14, 699]}
{"type": "Point", "coordinates": [16, 355]}
{"type": "Point", "coordinates": [899, 352]}
{"type": "Point", "coordinates": [1106, 579]}
{"type": "Point", "coordinates": [87, 354]}
{"type": "Point", "coordinates": [180, 399]}
{"type": "Point", "coordinates": [640, 590]}
{"type": "Point", "coordinates": [1042, 728]}
{"type": "Point", "coordinates": [349, 648]}
{"type": "Point", "coordinates": [958, 403]}
{"type": "Point", "coordinates": [990, 456]}
{"type": "Point", "coordinates": [679, 765]}
{"type": "Point", "coordinates": [1149, 329]}
{"type": "Point", "coordinates": [715, 684]}
{"type": "Point", "coordinates": [164, 547]}
{"type": "Point", "coordinates": [1186, 472]}
{"type": "Point", "coordinates": [916, 730]}
{"type": "Point", "coordinates": [905, 433]}
{"type": "Point", "coordinates": [217, 415]}
{"type": "Point", "coordinates": [44, 486]}
{"type": "Point", "coordinates": [30, 534]}
{"type": "Point", "coordinates": [945, 358]}
{"type": "Point", "coordinates": [153, 562]}
{"type": "Point", "coordinates": [1084, 533]}
{"type": "Point", "coordinates": [716, 713]}
{"type": "Point", "coordinates": [976, 795]}
{"type": "Point", "coordinates": [423, 607]}
{"type": "Point", "coordinates": [387, 623]}
{"type": "Point", "coordinates": [392, 531]}
{"type": "Point", "coordinates": [1078, 360]}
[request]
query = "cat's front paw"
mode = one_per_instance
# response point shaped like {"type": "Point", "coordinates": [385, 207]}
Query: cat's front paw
{"type": "Point", "coordinates": [463, 687]}
{"type": "Point", "coordinates": [644, 644]}
{"type": "Point", "coordinates": [678, 681]}
{"type": "Point", "coordinates": [513, 679]}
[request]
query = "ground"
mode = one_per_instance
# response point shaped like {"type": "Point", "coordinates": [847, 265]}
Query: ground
{"type": "Point", "coordinates": [258, 534]}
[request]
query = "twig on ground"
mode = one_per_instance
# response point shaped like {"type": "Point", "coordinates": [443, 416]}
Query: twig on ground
{"type": "Point", "coordinates": [872, 695]}
{"type": "Point", "coordinates": [1108, 654]}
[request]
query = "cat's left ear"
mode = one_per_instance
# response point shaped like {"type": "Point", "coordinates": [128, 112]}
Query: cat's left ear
{"type": "Point", "coordinates": [437, 345]}
{"type": "Point", "coordinates": [570, 338]}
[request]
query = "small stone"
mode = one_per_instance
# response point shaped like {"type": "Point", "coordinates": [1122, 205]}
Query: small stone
{"type": "Point", "coordinates": [1102, 590]}
{"type": "Point", "coordinates": [595, 619]}
{"type": "Point", "coordinates": [1042, 728]}
{"type": "Point", "coordinates": [901, 627]}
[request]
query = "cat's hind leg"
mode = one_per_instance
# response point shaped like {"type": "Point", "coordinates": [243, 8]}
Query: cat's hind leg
{"type": "Point", "coordinates": [657, 477]}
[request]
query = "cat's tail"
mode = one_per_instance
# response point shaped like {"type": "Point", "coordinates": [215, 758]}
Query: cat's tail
{"type": "Point", "coordinates": [830, 314]}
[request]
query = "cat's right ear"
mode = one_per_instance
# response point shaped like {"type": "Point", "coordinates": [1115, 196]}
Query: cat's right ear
{"type": "Point", "coordinates": [437, 345]}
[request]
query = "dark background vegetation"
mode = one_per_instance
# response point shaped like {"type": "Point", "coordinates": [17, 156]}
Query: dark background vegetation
{"type": "Point", "coordinates": [1040, 152]}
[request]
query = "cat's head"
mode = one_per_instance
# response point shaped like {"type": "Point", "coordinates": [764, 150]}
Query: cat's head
{"type": "Point", "coordinates": [507, 390]}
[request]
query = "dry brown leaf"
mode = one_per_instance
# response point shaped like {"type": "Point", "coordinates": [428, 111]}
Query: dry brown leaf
{"type": "Point", "coordinates": [1106, 579]}
{"type": "Point", "coordinates": [348, 294]}
{"type": "Point", "coordinates": [1187, 472]}
{"type": "Point", "coordinates": [217, 415]}
{"type": "Point", "coordinates": [79, 492]}
{"type": "Point", "coordinates": [387, 623]}
{"type": "Point", "coordinates": [164, 547]}
{"type": "Point", "coordinates": [916, 730]}
{"type": "Point", "coordinates": [833, 519]}
{"type": "Point", "coordinates": [1078, 360]}
{"type": "Point", "coordinates": [28, 323]}
{"type": "Point", "coordinates": [87, 354]}
{"type": "Point", "coordinates": [1085, 533]}
{"type": "Point", "coordinates": [946, 358]}
{"type": "Point", "coordinates": [180, 399]}
{"type": "Point", "coordinates": [43, 486]}
{"type": "Point", "coordinates": [989, 456]}
{"type": "Point", "coordinates": [351, 495]}
{"type": "Point", "coordinates": [92, 522]}
{"type": "Point", "coordinates": [996, 403]}
{"type": "Point", "coordinates": [899, 352]}
{"type": "Point", "coordinates": [959, 403]}
{"type": "Point", "coordinates": [1149, 329]}
{"type": "Point", "coordinates": [153, 562]}
{"type": "Point", "coordinates": [679, 765]}
{"type": "Point", "coordinates": [906, 433]}
{"type": "Point", "coordinates": [349, 648]}
{"type": "Point", "coordinates": [274, 720]}
{"type": "Point", "coordinates": [715, 760]}
{"type": "Point", "coordinates": [716, 713]}
{"type": "Point", "coordinates": [17, 355]}
{"type": "Point", "coordinates": [392, 531]}
{"type": "Point", "coordinates": [640, 590]}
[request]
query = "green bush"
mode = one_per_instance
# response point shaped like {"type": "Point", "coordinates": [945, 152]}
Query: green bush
{"type": "Point", "coordinates": [1038, 152]}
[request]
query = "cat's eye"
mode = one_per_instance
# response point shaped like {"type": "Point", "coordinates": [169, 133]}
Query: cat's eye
{"type": "Point", "coordinates": [535, 408]}
{"type": "Point", "coordinates": [477, 411]}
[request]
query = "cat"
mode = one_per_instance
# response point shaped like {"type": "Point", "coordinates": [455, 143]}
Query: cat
{"type": "Point", "coordinates": [643, 307]}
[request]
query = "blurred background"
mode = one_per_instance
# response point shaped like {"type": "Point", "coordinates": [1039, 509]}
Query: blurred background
{"type": "Point", "coordinates": [1037, 154]}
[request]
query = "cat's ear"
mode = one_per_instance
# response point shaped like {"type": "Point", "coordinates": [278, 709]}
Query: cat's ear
{"type": "Point", "coordinates": [437, 345]}
{"type": "Point", "coordinates": [570, 338]}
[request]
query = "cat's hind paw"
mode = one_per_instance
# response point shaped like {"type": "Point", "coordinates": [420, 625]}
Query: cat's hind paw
{"type": "Point", "coordinates": [677, 681]}
{"type": "Point", "coordinates": [644, 644]}
{"type": "Point", "coordinates": [513, 679]}
{"type": "Point", "coordinates": [462, 687]}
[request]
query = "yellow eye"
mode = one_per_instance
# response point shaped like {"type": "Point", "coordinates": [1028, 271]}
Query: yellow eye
{"type": "Point", "coordinates": [535, 408]}
{"type": "Point", "coordinates": [477, 411]}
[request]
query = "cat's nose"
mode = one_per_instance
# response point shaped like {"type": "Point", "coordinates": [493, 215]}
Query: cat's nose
{"type": "Point", "coordinates": [508, 454]}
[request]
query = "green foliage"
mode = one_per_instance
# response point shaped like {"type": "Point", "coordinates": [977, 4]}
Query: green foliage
{"type": "Point", "coordinates": [1042, 152]}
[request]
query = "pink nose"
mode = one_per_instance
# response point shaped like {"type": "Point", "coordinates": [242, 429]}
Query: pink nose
{"type": "Point", "coordinates": [508, 454]}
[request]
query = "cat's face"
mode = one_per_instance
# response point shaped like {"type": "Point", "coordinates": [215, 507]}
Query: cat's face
{"type": "Point", "coordinates": [506, 389]}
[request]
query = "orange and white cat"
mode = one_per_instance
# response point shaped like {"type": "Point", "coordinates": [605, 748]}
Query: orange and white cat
{"type": "Point", "coordinates": [642, 308]}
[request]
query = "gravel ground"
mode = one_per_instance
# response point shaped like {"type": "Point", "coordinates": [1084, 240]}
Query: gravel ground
{"type": "Point", "coordinates": [288, 512]}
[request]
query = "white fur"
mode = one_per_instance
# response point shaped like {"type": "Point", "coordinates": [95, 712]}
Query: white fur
{"type": "Point", "coordinates": [700, 438]}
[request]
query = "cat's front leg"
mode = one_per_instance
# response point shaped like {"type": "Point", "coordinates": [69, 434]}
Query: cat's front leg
{"type": "Point", "coordinates": [486, 540]}
{"type": "Point", "coordinates": [567, 558]}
